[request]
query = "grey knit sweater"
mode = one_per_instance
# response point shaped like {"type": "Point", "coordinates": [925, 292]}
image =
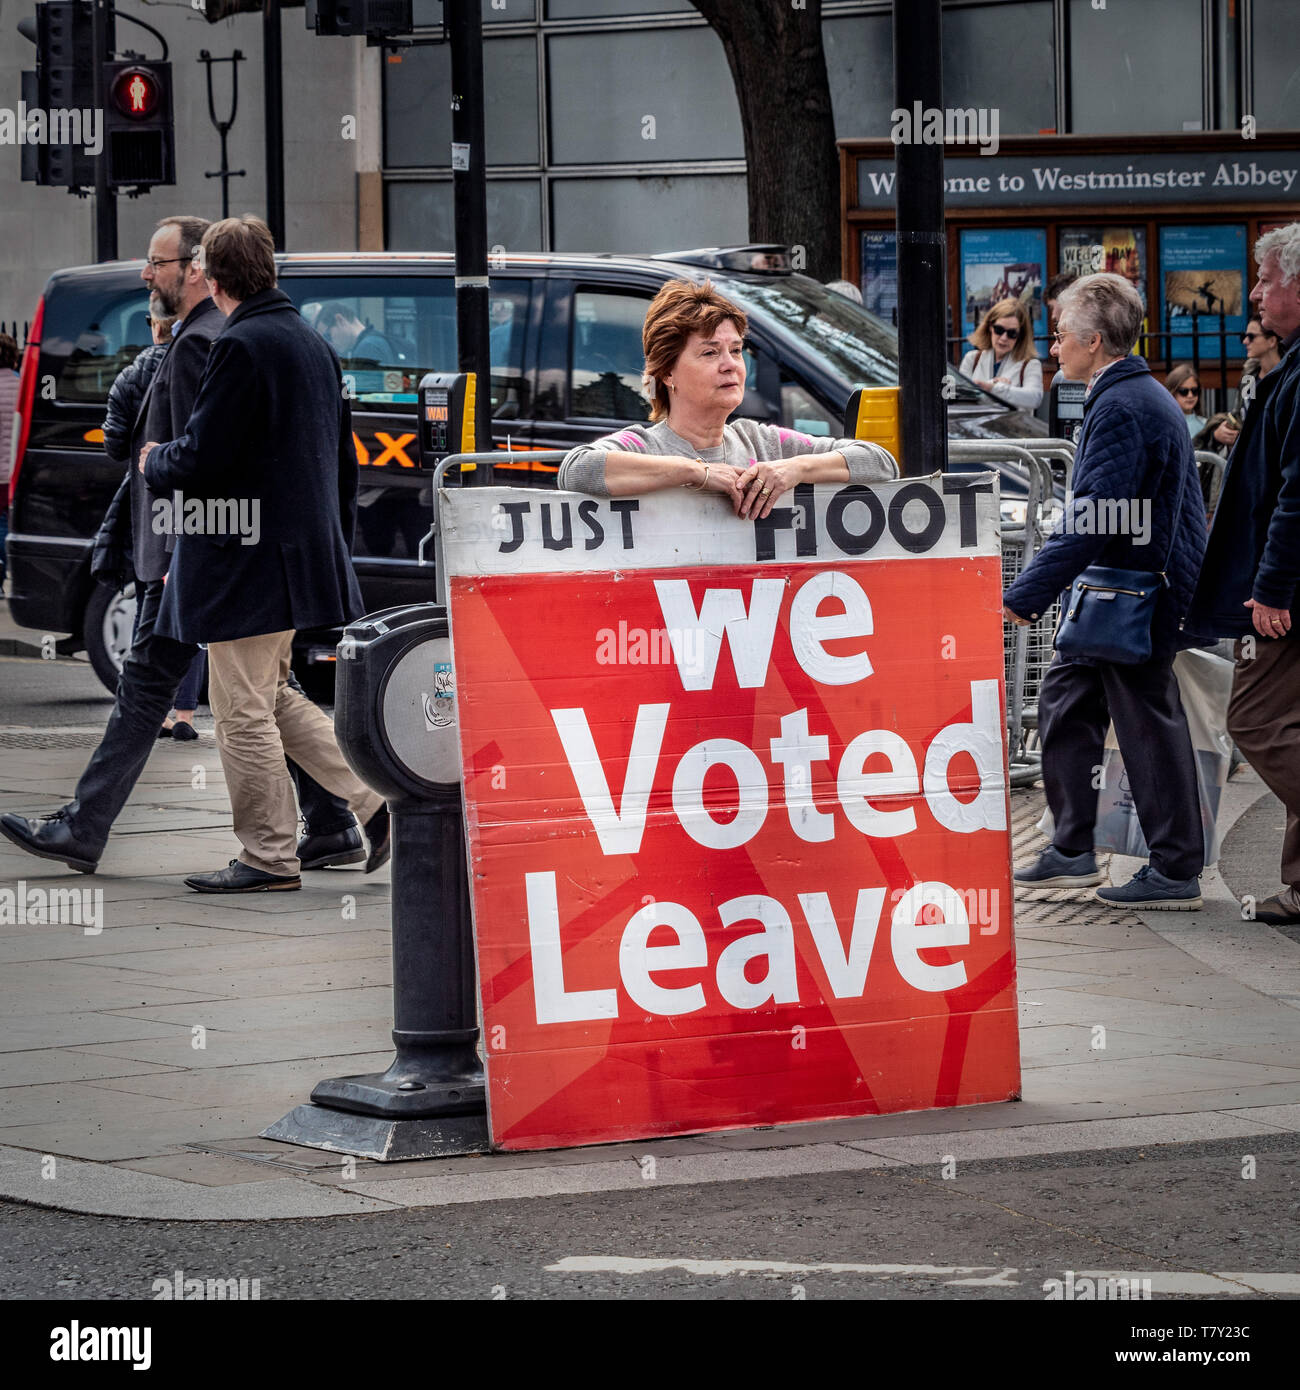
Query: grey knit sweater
{"type": "Point", "coordinates": [743, 442]}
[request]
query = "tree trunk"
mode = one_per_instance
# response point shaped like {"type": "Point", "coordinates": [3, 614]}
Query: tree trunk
{"type": "Point", "coordinates": [774, 49]}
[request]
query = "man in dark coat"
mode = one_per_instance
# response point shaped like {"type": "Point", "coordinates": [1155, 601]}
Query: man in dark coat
{"type": "Point", "coordinates": [77, 833]}
{"type": "Point", "coordinates": [269, 474]}
{"type": "Point", "coordinates": [1248, 586]}
{"type": "Point", "coordinates": [1135, 505]}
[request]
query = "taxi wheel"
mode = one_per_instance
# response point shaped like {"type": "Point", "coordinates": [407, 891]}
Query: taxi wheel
{"type": "Point", "coordinates": [106, 630]}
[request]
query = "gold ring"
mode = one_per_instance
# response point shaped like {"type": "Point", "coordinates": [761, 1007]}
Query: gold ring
{"type": "Point", "coordinates": [762, 492]}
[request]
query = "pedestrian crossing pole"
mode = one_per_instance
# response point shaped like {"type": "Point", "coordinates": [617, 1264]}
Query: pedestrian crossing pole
{"type": "Point", "coordinates": [921, 242]}
{"type": "Point", "coordinates": [464, 19]}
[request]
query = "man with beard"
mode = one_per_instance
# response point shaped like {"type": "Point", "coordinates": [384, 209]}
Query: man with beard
{"type": "Point", "coordinates": [77, 833]}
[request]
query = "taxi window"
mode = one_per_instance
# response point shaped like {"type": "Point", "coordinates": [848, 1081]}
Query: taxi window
{"type": "Point", "coordinates": [389, 330]}
{"type": "Point", "coordinates": [90, 337]}
{"type": "Point", "coordinates": [802, 411]}
{"type": "Point", "coordinates": [606, 360]}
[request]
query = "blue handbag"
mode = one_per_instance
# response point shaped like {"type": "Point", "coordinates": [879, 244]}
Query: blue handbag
{"type": "Point", "coordinates": [1106, 613]}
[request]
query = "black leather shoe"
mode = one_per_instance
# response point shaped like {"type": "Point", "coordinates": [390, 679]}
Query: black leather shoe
{"type": "Point", "coordinates": [1281, 910]}
{"type": "Point", "coordinates": [50, 837]}
{"type": "Point", "coordinates": [242, 878]}
{"type": "Point", "coordinates": [380, 839]}
{"type": "Point", "coordinates": [327, 851]}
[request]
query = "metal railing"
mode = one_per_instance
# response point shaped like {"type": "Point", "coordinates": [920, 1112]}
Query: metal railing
{"type": "Point", "coordinates": [1026, 649]}
{"type": "Point", "coordinates": [487, 459]}
{"type": "Point", "coordinates": [1217, 466]}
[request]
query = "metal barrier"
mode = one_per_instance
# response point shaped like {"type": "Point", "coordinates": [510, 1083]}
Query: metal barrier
{"type": "Point", "coordinates": [1207, 458]}
{"type": "Point", "coordinates": [1027, 649]}
{"type": "Point", "coordinates": [433, 535]}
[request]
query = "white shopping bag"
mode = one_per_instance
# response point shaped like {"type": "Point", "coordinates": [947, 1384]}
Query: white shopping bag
{"type": "Point", "coordinates": [1205, 686]}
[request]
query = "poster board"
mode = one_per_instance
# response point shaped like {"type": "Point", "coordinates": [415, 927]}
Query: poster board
{"type": "Point", "coordinates": [736, 805]}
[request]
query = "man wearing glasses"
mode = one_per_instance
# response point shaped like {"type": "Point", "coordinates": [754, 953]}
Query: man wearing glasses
{"type": "Point", "coordinates": [77, 833]}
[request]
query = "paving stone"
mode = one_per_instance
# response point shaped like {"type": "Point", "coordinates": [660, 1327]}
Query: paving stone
{"type": "Point", "coordinates": [333, 1046]}
{"type": "Point", "coordinates": [56, 1064]}
{"type": "Point", "coordinates": [207, 952]}
{"type": "Point", "coordinates": [270, 1085]}
{"type": "Point", "coordinates": [76, 1102]}
{"type": "Point", "coordinates": [97, 1187]}
{"type": "Point", "coordinates": [209, 1170]}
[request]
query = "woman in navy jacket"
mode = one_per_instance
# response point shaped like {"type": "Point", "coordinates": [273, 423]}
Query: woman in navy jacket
{"type": "Point", "coordinates": [1136, 504]}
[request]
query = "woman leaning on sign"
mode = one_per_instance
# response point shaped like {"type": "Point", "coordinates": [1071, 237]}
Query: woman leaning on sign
{"type": "Point", "coordinates": [695, 378]}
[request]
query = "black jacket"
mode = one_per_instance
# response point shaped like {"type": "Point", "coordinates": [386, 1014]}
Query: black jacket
{"type": "Point", "coordinates": [111, 554]}
{"type": "Point", "coordinates": [1134, 447]}
{"type": "Point", "coordinates": [125, 397]}
{"type": "Point", "coordinates": [1254, 547]}
{"type": "Point", "coordinates": [163, 416]}
{"type": "Point", "coordinates": [271, 439]}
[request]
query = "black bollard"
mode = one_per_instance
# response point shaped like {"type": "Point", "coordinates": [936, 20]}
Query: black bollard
{"type": "Point", "coordinates": [395, 722]}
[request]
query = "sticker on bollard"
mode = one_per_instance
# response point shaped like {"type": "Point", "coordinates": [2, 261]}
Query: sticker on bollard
{"type": "Point", "coordinates": [736, 804]}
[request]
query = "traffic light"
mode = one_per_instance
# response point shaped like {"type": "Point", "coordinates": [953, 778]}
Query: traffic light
{"type": "Point", "coordinates": [139, 140]}
{"type": "Point", "coordinates": [375, 19]}
{"type": "Point", "coordinates": [59, 98]}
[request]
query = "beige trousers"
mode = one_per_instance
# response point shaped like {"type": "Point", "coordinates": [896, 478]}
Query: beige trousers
{"type": "Point", "coordinates": [1264, 721]}
{"type": "Point", "coordinates": [259, 720]}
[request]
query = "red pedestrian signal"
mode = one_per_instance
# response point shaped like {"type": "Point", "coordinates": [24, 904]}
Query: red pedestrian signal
{"type": "Point", "coordinates": [138, 124]}
{"type": "Point", "coordinates": [136, 93]}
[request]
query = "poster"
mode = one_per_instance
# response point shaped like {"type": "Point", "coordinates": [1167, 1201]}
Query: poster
{"type": "Point", "coordinates": [1203, 280]}
{"type": "Point", "coordinates": [1003, 263]}
{"type": "Point", "coordinates": [880, 275]}
{"type": "Point", "coordinates": [736, 806]}
{"type": "Point", "coordinates": [1113, 250]}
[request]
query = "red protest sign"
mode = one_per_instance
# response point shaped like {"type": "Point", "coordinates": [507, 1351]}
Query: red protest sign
{"type": "Point", "coordinates": [737, 826]}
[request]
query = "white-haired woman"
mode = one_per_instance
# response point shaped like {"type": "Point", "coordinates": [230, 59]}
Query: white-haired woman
{"type": "Point", "coordinates": [1136, 505]}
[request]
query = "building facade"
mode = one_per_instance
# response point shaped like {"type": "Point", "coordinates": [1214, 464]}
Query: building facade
{"type": "Point", "coordinates": [613, 125]}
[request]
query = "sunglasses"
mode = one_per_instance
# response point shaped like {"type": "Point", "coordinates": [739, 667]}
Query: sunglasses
{"type": "Point", "coordinates": [1188, 391]}
{"type": "Point", "coordinates": [1012, 333]}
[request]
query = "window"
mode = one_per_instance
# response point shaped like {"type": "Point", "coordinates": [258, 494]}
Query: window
{"type": "Point", "coordinates": [802, 411]}
{"type": "Point", "coordinates": [600, 9]}
{"type": "Point", "coordinates": [1001, 56]}
{"type": "Point", "coordinates": [389, 330]}
{"type": "Point", "coordinates": [630, 215]}
{"type": "Point", "coordinates": [640, 80]}
{"type": "Point", "coordinates": [1277, 64]}
{"type": "Point", "coordinates": [421, 215]}
{"type": "Point", "coordinates": [607, 358]}
{"type": "Point", "coordinates": [417, 108]}
{"type": "Point", "coordinates": [91, 339]}
{"type": "Point", "coordinates": [1135, 67]}
{"type": "Point", "coordinates": [844, 339]}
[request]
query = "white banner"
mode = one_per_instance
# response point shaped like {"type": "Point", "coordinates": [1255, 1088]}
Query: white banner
{"type": "Point", "coordinates": [524, 531]}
